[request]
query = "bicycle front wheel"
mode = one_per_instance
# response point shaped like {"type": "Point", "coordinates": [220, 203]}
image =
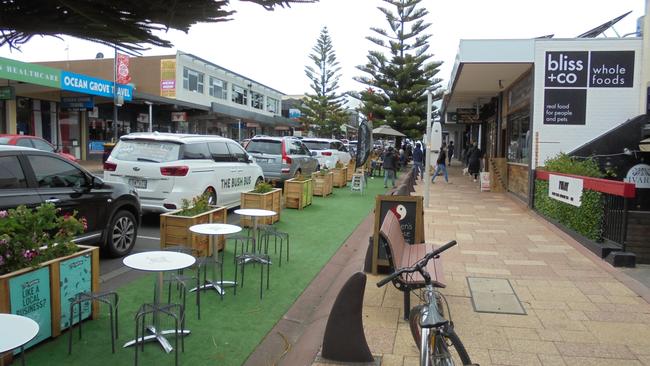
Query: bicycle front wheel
{"type": "Point", "coordinates": [445, 348]}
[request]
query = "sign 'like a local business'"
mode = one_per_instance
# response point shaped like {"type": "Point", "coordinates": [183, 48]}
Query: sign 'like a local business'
{"type": "Point", "coordinates": [565, 189]}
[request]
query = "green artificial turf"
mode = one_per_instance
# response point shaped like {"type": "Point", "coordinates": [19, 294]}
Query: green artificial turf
{"type": "Point", "coordinates": [229, 330]}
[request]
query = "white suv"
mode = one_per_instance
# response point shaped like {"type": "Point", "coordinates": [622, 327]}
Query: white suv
{"type": "Point", "coordinates": [328, 151]}
{"type": "Point", "coordinates": [165, 168]}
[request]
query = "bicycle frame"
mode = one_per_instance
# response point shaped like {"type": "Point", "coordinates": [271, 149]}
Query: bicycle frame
{"type": "Point", "coordinates": [430, 321]}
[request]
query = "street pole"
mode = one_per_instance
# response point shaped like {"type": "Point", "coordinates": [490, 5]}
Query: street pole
{"type": "Point", "coordinates": [239, 128]}
{"type": "Point", "coordinates": [427, 151]}
{"type": "Point", "coordinates": [115, 128]}
{"type": "Point", "coordinates": [150, 116]}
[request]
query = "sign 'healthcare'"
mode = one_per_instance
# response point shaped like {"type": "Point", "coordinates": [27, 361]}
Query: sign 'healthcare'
{"type": "Point", "coordinates": [90, 85]}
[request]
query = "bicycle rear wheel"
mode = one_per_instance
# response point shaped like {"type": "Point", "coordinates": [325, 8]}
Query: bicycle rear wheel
{"type": "Point", "coordinates": [445, 349]}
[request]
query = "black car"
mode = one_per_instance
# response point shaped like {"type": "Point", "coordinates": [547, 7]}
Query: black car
{"type": "Point", "coordinates": [112, 211]}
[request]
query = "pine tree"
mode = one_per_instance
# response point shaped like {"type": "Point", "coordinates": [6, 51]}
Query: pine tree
{"type": "Point", "coordinates": [324, 107]}
{"type": "Point", "coordinates": [399, 75]}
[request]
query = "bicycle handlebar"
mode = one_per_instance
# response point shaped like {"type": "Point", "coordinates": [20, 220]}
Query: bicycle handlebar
{"type": "Point", "coordinates": [418, 267]}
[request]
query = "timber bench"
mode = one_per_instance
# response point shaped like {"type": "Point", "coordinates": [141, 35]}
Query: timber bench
{"type": "Point", "coordinates": [401, 254]}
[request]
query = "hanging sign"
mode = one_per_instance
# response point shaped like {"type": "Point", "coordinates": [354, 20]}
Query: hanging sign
{"type": "Point", "coordinates": [179, 116]}
{"type": "Point", "coordinates": [639, 175]}
{"type": "Point", "coordinates": [77, 104]}
{"type": "Point", "coordinates": [7, 93]}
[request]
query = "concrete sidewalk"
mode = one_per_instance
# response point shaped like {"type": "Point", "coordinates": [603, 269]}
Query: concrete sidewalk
{"type": "Point", "coordinates": [579, 309]}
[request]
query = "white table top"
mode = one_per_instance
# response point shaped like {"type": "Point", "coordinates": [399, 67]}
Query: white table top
{"type": "Point", "coordinates": [255, 212]}
{"type": "Point", "coordinates": [16, 331]}
{"type": "Point", "coordinates": [215, 229]}
{"type": "Point", "coordinates": [158, 261]}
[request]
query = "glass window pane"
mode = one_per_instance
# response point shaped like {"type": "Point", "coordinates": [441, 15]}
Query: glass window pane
{"type": "Point", "coordinates": [52, 172]}
{"type": "Point", "coordinates": [219, 151]}
{"type": "Point", "coordinates": [11, 174]}
{"type": "Point", "coordinates": [196, 151]}
{"type": "Point", "coordinates": [24, 143]}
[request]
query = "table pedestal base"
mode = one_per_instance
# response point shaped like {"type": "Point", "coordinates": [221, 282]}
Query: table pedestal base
{"type": "Point", "coordinates": [158, 336]}
{"type": "Point", "coordinates": [215, 285]}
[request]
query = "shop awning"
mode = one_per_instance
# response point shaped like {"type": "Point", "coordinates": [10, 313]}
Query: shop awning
{"type": "Point", "coordinates": [144, 97]}
{"type": "Point", "coordinates": [252, 116]}
{"type": "Point", "coordinates": [483, 68]}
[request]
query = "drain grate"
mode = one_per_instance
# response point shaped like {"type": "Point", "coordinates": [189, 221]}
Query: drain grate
{"type": "Point", "coordinates": [494, 295]}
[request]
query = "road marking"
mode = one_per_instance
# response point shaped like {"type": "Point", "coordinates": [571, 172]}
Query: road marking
{"type": "Point", "coordinates": [112, 274]}
{"type": "Point", "coordinates": [148, 237]}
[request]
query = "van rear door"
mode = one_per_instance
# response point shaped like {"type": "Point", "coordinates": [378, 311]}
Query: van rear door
{"type": "Point", "coordinates": [139, 163]}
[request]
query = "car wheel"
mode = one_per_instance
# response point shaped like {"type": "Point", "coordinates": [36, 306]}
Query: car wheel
{"type": "Point", "coordinates": [121, 235]}
{"type": "Point", "coordinates": [212, 196]}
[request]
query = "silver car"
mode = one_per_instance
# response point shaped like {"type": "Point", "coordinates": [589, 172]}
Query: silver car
{"type": "Point", "coordinates": [281, 158]}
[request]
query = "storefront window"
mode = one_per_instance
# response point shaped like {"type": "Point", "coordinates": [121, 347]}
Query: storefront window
{"type": "Point", "coordinates": [192, 80]}
{"type": "Point", "coordinates": [218, 88]}
{"type": "Point", "coordinates": [24, 122]}
{"type": "Point", "coordinates": [519, 137]}
{"type": "Point", "coordinates": [272, 105]}
{"type": "Point", "coordinates": [257, 100]}
{"type": "Point", "coordinates": [69, 128]}
{"type": "Point", "coordinates": [3, 117]}
{"type": "Point", "coordinates": [239, 95]}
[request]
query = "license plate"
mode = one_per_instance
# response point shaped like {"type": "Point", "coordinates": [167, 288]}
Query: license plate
{"type": "Point", "coordinates": [138, 183]}
{"type": "Point", "coordinates": [261, 160]}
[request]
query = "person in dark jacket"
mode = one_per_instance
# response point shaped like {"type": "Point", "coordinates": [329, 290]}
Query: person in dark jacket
{"type": "Point", "coordinates": [450, 151]}
{"type": "Point", "coordinates": [441, 164]}
{"type": "Point", "coordinates": [418, 161]}
{"type": "Point", "coordinates": [474, 161]}
{"type": "Point", "coordinates": [390, 166]}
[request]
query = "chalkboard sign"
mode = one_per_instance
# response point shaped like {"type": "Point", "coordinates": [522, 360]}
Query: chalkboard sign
{"type": "Point", "coordinates": [30, 297]}
{"type": "Point", "coordinates": [409, 211]}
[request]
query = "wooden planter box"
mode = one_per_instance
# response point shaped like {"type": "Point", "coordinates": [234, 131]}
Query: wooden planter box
{"type": "Point", "coordinates": [340, 177]}
{"type": "Point", "coordinates": [298, 193]}
{"type": "Point", "coordinates": [43, 293]}
{"type": "Point", "coordinates": [175, 230]}
{"type": "Point", "coordinates": [265, 201]}
{"type": "Point", "coordinates": [323, 184]}
{"type": "Point", "coordinates": [351, 168]}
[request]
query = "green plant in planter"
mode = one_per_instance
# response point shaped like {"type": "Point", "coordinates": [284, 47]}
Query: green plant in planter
{"type": "Point", "coordinates": [263, 187]}
{"type": "Point", "coordinates": [339, 165]}
{"type": "Point", "coordinates": [300, 178]}
{"type": "Point", "coordinates": [323, 171]}
{"type": "Point", "coordinates": [197, 205]}
{"type": "Point", "coordinates": [30, 237]}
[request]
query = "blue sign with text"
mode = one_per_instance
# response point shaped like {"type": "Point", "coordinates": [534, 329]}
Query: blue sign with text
{"type": "Point", "coordinates": [90, 85]}
{"type": "Point", "coordinates": [85, 103]}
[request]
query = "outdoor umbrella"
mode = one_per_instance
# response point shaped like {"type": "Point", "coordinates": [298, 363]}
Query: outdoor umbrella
{"type": "Point", "coordinates": [364, 144]}
{"type": "Point", "coordinates": [387, 131]}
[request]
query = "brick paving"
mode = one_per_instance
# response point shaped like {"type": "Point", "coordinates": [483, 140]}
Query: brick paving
{"type": "Point", "coordinates": [579, 309]}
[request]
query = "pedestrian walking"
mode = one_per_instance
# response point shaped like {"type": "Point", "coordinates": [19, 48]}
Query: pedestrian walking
{"type": "Point", "coordinates": [441, 164]}
{"type": "Point", "coordinates": [390, 166]}
{"type": "Point", "coordinates": [450, 151]}
{"type": "Point", "coordinates": [474, 161]}
{"type": "Point", "coordinates": [418, 161]}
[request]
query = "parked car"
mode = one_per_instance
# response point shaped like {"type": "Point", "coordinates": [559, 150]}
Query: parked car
{"type": "Point", "coordinates": [112, 210]}
{"type": "Point", "coordinates": [33, 141]}
{"type": "Point", "coordinates": [166, 168]}
{"type": "Point", "coordinates": [328, 151]}
{"type": "Point", "coordinates": [282, 158]}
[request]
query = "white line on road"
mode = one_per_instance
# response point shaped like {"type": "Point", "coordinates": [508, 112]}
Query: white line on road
{"type": "Point", "coordinates": [148, 237]}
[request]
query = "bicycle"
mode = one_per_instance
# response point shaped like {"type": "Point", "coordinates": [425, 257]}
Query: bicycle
{"type": "Point", "coordinates": [433, 334]}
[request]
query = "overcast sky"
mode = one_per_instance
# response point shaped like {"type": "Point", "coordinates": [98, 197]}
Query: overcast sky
{"type": "Point", "coordinates": [273, 47]}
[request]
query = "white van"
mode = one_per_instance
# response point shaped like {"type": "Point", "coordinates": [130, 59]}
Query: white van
{"type": "Point", "coordinates": [165, 168]}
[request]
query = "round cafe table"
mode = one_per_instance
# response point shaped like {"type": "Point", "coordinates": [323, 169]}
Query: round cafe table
{"type": "Point", "coordinates": [215, 230]}
{"type": "Point", "coordinates": [161, 262]}
{"type": "Point", "coordinates": [255, 214]}
{"type": "Point", "coordinates": [16, 331]}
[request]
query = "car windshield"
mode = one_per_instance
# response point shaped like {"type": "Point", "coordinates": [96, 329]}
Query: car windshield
{"type": "Point", "coordinates": [146, 150]}
{"type": "Point", "coordinates": [272, 147]}
{"type": "Point", "coordinates": [4, 140]}
{"type": "Point", "coordinates": [317, 145]}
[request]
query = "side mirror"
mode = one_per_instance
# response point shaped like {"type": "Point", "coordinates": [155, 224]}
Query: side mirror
{"type": "Point", "coordinates": [314, 153]}
{"type": "Point", "coordinates": [96, 182]}
{"type": "Point", "coordinates": [249, 159]}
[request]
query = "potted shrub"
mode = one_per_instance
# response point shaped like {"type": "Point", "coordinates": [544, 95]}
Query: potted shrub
{"type": "Point", "coordinates": [323, 182]}
{"type": "Point", "coordinates": [340, 175]}
{"type": "Point", "coordinates": [264, 197]}
{"type": "Point", "coordinates": [42, 269]}
{"type": "Point", "coordinates": [175, 225]}
{"type": "Point", "coordinates": [298, 192]}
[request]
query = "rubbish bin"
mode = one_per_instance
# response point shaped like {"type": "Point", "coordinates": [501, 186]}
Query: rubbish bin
{"type": "Point", "coordinates": [108, 147]}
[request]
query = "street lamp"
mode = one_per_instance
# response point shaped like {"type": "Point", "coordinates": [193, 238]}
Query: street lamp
{"type": "Point", "coordinates": [427, 149]}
